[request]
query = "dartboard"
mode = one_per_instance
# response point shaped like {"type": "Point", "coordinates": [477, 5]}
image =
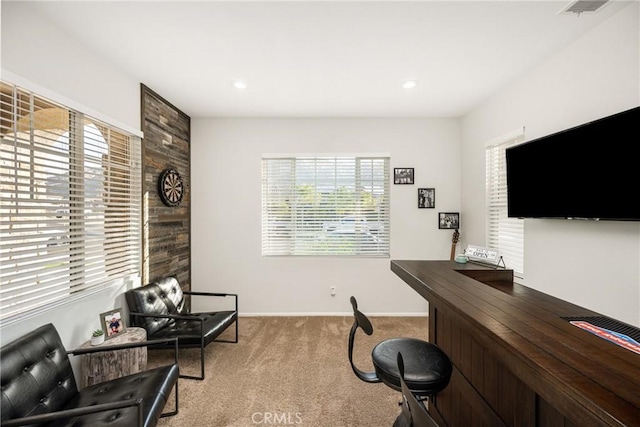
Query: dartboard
{"type": "Point", "coordinates": [171, 187]}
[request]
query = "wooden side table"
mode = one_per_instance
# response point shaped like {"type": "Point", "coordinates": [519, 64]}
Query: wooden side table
{"type": "Point", "coordinates": [108, 365]}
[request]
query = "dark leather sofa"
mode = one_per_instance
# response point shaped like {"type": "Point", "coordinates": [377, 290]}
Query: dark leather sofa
{"type": "Point", "coordinates": [161, 309]}
{"type": "Point", "coordinates": [39, 387]}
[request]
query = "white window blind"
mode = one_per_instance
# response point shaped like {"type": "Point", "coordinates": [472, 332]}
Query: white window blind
{"type": "Point", "coordinates": [335, 205]}
{"type": "Point", "coordinates": [70, 211]}
{"type": "Point", "coordinates": [503, 233]}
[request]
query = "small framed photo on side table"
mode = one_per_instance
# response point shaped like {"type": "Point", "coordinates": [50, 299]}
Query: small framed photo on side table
{"type": "Point", "coordinates": [112, 323]}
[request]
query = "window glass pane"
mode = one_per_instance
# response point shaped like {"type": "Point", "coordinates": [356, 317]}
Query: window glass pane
{"type": "Point", "coordinates": [70, 192]}
{"type": "Point", "coordinates": [325, 206]}
{"type": "Point", "coordinates": [503, 233]}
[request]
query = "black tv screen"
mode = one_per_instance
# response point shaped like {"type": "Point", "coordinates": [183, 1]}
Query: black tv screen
{"type": "Point", "coordinates": [590, 171]}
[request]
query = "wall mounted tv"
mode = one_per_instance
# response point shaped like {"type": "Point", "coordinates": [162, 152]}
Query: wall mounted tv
{"type": "Point", "coordinates": [591, 171]}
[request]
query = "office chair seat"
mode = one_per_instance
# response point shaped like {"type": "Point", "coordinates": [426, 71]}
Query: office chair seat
{"type": "Point", "coordinates": [427, 367]}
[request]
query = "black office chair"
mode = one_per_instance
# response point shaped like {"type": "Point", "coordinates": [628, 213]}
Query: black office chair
{"type": "Point", "coordinates": [427, 369]}
{"type": "Point", "coordinates": [414, 413]}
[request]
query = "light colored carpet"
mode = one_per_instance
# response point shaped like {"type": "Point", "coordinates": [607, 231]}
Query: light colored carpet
{"type": "Point", "coordinates": [288, 371]}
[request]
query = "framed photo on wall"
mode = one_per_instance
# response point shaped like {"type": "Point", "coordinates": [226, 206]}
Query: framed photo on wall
{"type": "Point", "coordinates": [449, 220]}
{"type": "Point", "coordinates": [403, 176]}
{"type": "Point", "coordinates": [426, 198]}
{"type": "Point", "coordinates": [112, 323]}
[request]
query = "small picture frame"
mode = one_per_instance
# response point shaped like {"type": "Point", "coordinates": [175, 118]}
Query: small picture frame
{"type": "Point", "coordinates": [403, 176]}
{"type": "Point", "coordinates": [448, 220]}
{"type": "Point", "coordinates": [426, 198]}
{"type": "Point", "coordinates": [112, 323]}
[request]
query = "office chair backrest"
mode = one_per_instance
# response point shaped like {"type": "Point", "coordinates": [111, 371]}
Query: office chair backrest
{"type": "Point", "coordinates": [360, 321]}
{"type": "Point", "coordinates": [412, 409]}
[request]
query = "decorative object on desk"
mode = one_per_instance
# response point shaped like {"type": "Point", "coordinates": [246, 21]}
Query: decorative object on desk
{"type": "Point", "coordinates": [426, 198]}
{"type": "Point", "coordinates": [454, 241]}
{"type": "Point", "coordinates": [170, 187]}
{"type": "Point", "coordinates": [616, 337]}
{"type": "Point", "coordinates": [461, 259]}
{"type": "Point", "coordinates": [97, 337]}
{"type": "Point", "coordinates": [403, 176]}
{"type": "Point", "coordinates": [449, 220]}
{"type": "Point", "coordinates": [484, 255]}
{"type": "Point", "coordinates": [113, 323]}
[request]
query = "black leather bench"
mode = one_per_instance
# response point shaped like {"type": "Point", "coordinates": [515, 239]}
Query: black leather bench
{"type": "Point", "coordinates": [39, 387]}
{"type": "Point", "coordinates": [160, 308]}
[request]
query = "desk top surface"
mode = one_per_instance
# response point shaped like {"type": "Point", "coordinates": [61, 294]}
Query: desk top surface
{"type": "Point", "coordinates": [526, 329]}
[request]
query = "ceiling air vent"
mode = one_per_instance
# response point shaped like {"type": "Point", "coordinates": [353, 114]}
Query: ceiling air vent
{"type": "Point", "coordinates": [583, 6]}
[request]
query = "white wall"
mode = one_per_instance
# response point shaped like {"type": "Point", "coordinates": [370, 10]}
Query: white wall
{"type": "Point", "coordinates": [74, 321]}
{"type": "Point", "coordinates": [44, 58]}
{"type": "Point", "coordinates": [35, 49]}
{"type": "Point", "coordinates": [226, 217]}
{"type": "Point", "coordinates": [595, 76]}
{"type": "Point", "coordinates": [593, 264]}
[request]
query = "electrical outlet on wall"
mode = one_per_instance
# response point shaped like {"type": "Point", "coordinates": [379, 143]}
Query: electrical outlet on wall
{"type": "Point", "coordinates": [333, 291]}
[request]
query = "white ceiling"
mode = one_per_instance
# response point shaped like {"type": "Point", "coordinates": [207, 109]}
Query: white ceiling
{"type": "Point", "coordinates": [324, 58]}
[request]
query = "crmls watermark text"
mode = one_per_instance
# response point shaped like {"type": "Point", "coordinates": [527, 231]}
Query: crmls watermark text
{"type": "Point", "coordinates": [281, 418]}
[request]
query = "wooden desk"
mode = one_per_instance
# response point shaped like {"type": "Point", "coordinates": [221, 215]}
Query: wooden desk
{"type": "Point", "coordinates": [108, 365]}
{"type": "Point", "coordinates": [516, 362]}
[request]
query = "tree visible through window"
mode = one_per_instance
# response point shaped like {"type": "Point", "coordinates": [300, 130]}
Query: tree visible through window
{"type": "Point", "coordinates": [325, 206]}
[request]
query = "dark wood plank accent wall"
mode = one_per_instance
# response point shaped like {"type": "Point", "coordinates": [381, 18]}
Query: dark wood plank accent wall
{"type": "Point", "coordinates": [516, 361]}
{"type": "Point", "coordinates": [166, 230]}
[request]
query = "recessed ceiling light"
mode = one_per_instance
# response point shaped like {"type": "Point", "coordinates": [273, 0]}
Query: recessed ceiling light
{"type": "Point", "coordinates": [239, 84]}
{"type": "Point", "coordinates": [410, 84]}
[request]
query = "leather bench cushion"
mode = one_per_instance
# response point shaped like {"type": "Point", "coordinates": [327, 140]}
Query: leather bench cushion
{"type": "Point", "coordinates": [153, 386]}
{"type": "Point", "coordinates": [188, 331]}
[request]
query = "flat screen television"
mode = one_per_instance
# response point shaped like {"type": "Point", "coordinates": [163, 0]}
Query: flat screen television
{"type": "Point", "coordinates": [591, 171]}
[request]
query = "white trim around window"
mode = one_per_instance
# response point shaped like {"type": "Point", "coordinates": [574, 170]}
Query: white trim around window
{"type": "Point", "coordinates": [503, 233]}
{"type": "Point", "coordinates": [325, 205]}
{"type": "Point", "coordinates": [27, 84]}
{"type": "Point", "coordinates": [70, 214]}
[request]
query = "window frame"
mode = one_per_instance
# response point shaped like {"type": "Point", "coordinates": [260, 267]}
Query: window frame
{"type": "Point", "coordinates": [503, 233]}
{"type": "Point", "coordinates": [101, 247]}
{"type": "Point", "coordinates": [312, 205]}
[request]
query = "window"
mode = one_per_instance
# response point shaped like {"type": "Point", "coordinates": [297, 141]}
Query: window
{"type": "Point", "coordinates": [503, 233]}
{"type": "Point", "coordinates": [325, 206]}
{"type": "Point", "coordinates": [70, 213]}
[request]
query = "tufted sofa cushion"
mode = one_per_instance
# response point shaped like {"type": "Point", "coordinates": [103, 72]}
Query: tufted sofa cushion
{"type": "Point", "coordinates": [163, 297]}
{"type": "Point", "coordinates": [188, 331]}
{"type": "Point", "coordinates": [153, 386]}
{"type": "Point", "coordinates": [36, 375]}
{"type": "Point", "coordinates": [37, 379]}
{"type": "Point", "coordinates": [160, 308]}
